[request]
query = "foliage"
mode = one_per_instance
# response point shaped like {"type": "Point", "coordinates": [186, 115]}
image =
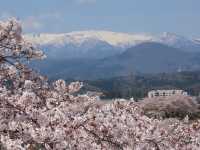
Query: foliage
{"type": "Point", "coordinates": [137, 86]}
{"type": "Point", "coordinates": [36, 115]}
{"type": "Point", "coordinates": [171, 107]}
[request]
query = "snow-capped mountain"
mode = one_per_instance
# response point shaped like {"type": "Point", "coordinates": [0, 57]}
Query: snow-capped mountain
{"type": "Point", "coordinates": [86, 44]}
{"type": "Point", "coordinates": [100, 44]}
{"type": "Point", "coordinates": [99, 54]}
{"type": "Point", "coordinates": [197, 40]}
{"type": "Point", "coordinates": [78, 38]}
{"type": "Point", "coordinates": [178, 41]}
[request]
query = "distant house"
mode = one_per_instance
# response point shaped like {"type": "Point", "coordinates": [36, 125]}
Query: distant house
{"type": "Point", "coordinates": [166, 93]}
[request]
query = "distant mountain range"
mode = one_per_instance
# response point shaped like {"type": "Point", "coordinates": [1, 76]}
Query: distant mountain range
{"type": "Point", "coordinates": [103, 54]}
{"type": "Point", "coordinates": [85, 44]}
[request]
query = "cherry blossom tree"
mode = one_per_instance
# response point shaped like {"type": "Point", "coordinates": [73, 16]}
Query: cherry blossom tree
{"type": "Point", "coordinates": [37, 115]}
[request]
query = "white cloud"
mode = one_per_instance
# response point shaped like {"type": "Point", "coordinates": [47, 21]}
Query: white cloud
{"type": "Point", "coordinates": [36, 23]}
{"type": "Point", "coordinates": [32, 23]}
{"type": "Point", "coordinates": [86, 1]}
{"type": "Point", "coordinates": [28, 23]}
{"type": "Point", "coordinates": [5, 15]}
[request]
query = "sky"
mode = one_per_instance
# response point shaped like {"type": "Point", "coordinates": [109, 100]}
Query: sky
{"type": "Point", "coordinates": [131, 16]}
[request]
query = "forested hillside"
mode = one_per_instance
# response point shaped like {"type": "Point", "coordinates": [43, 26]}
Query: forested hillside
{"type": "Point", "coordinates": [137, 86]}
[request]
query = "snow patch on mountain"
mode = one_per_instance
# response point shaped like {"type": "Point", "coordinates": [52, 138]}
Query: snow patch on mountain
{"type": "Point", "coordinates": [122, 40]}
{"type": "Point", "coordinates": [197, 41]}
{"type": "Point", "coordinates": [177, 41]}
{"type": "Point", "coordinates": [113, 38]}
{"type": "Point", "coordinates": [85, 40]}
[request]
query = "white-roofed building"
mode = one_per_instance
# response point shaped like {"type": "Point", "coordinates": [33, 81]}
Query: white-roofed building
{"type": "Point", "coordinates": [166, 93]}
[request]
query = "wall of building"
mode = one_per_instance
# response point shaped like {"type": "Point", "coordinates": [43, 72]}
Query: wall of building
{"type": "Point", "coordinates": [166, 93]}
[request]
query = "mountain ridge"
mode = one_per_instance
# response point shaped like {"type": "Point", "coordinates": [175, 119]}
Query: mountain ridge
{"type": "Point", "coordinates": [150, 57]}
{"type": "Point", "coordinates": [79, 37]}
{"type": "Point", "coordinates": [115, 39]}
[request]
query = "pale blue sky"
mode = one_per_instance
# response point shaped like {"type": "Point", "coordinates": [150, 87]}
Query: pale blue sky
{"type": "Point", "coordinates": [133, 16]}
